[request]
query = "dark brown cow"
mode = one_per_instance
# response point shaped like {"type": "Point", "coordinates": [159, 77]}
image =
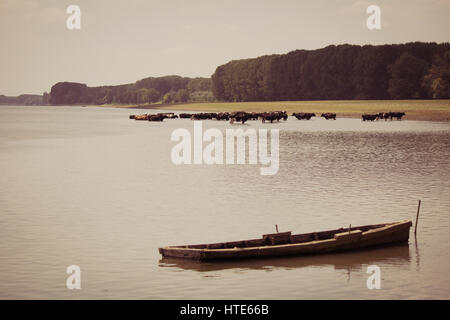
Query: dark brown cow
{"type": "Point", "coordinates": [157, 117]}
{"type": "Point", "coordinates": [303, 115]}
{"type": "Point", "coordinates": [369, 117]}
{"type": "Point", "coordinates": [203, 116]}
{"type": "Point", "coordinates": [239, 116]}
{"type": "Point", "coordinates": [397, 115]}
{"type": "Point", "coordinates": [222, 116]}
{"type": "Point", "coordinates": [272, 116]}
{"type": "Point", "coordinates": [185, 115]}
{"type": "Point", "coordinates": [329, 116]}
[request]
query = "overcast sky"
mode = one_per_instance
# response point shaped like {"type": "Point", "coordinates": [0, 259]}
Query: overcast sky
{"type": "Point", "coordinates": [121, 41]}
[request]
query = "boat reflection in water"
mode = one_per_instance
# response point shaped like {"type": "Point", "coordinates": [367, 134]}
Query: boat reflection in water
{"type": "Point", "coordinates": [351, 260]}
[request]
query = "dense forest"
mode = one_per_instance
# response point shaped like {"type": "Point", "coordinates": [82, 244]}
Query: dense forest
{"type": "Point", "coordinates": [169, 89]}
{"type": "Point", "coordinates": [345, 72]}
{"type": "Point", "coordinates": [405, 71]}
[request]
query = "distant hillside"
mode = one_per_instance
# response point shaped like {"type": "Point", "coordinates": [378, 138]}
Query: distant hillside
{"type": "Point", "coordinates": [22, 100]}
{"type": "Point", "coordinates": [168, 89]}
{"type": "Point", "coordinates": [344, 72]}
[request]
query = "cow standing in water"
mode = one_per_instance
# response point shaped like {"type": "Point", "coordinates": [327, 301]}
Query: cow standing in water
{"type": "Point", "coordinates": [272, 116]}
{"type": "Point", "coordinates": [154, 117]}
{"type": "Point", "coordinates": [239, 116]}
{"type": "Point", "coordinates": [203, 116]}
{"type": "Point", "coordinates": [255, 115]}
{"type": "Point", "coordinates": [170, 115]}
{"type": "Point", "coordinates": [222, 116]}
{"type": "Point", "coordinates": [383, 115]}
{"type": "Point", "coordinates": [268, 116]}
{"type": "Point", "coordinates": [329, 116]}
{"type": "Point", "coordinates": [303, 115]}
{"type": "Point", "coordinates": [397, 115]}
{"type": "Point", "coordinates": [185, 115]}
{"type": "Point", "coordinates": [157, 117]}
{"type": "Point", "coordinates": [369, 117]}
{"type": "Point", "coordinates": [139, 117]}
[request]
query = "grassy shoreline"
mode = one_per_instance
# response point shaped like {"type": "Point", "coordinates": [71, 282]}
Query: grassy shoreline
{"type": "Point", "coordinates": [427, 110]}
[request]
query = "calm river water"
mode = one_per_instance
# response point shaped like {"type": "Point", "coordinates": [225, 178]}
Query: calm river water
{"type": "Point", "coordinates": [89, 187]}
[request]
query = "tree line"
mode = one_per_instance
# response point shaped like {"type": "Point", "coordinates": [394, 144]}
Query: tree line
{"type": "Point", "coordinates": [414, 70]}
{"type": "Point", "coordinates": [22, 100]}
{"type": "Point", "coordinates": [344, 72]}
{"type": "Point", "coordinates": [169, 89]}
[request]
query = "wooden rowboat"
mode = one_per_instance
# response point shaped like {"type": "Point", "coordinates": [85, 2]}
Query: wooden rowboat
{"type": "Point", "coordinates": [286, 244]}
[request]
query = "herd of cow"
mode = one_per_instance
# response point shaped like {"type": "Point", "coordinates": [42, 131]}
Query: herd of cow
{"type": "Point", "coordinates": [242, 116]}
{"type": "Point", "coordinates": [238, 116]}
{"type": "Point", "coordinates": [383, 115]}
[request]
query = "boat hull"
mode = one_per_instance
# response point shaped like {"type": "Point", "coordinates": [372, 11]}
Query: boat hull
{"type": "Point", "coordinates": [341, 241]}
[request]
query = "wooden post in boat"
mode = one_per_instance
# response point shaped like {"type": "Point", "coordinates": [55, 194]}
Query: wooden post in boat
{"type": "Point", "coordinates": [417, 216]}
{"type": "Point", "coordinates": [276, 227]}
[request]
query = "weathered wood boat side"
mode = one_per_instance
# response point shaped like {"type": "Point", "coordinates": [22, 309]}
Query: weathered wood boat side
{"type": "Point", "coordinates": [285, 244]}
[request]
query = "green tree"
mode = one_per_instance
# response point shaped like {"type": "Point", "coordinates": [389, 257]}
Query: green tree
{"type": "Point", "coordinates": [437, 79]}
{"type": "Point", "coordinates": [153, 95]}
{"type": "Point", "coordinates": [142, 95]}
{"type": "Point", "coordinates": [406, 77]}
{"type": "Point", "coordinates": [109, 96]}
{"type": "Point", "coordinates": [68, 93]}
{"type": "Point", "coordinates": [169, 97]}
{"type": "Point", "coordinates": [182, 95]}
